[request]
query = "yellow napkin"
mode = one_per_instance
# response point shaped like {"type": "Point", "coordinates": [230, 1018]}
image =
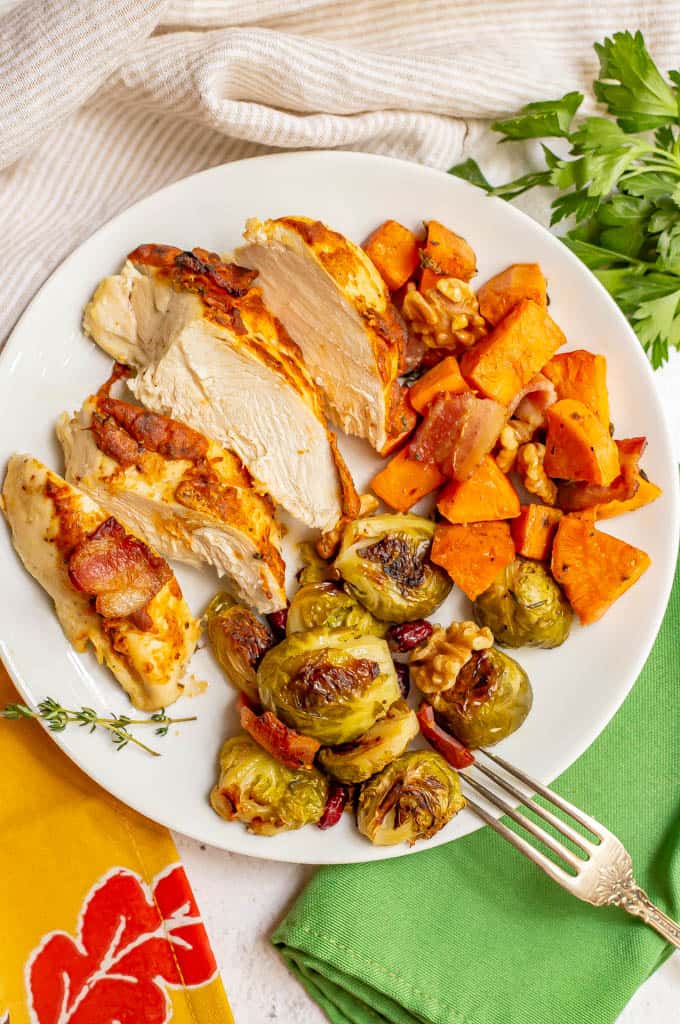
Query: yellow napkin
{"type": "Point", "coordinates": [98, 923]}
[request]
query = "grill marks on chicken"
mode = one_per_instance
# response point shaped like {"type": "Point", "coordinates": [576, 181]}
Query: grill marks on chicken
{"type": "Point", "coordinates": [210, 354]}
{"type": "Point", "coordinates": [339, 312]}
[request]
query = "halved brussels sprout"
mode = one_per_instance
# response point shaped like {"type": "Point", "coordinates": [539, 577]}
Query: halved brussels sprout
{"type": "Point", "coordinates": [525, 606]}
{"type": "Point", "coordinates": [256, 789]}
{"type": "Point", "coordinates": [410, 799]}
{"type": "Point", "coordinates": [490, 699]}
{"type": "Point", "coordinates": [329, 684]}
{"type": "Point", "coordinates": [238, 639]}
{"type": "Point", "coordinates": [325, 605]}
{"type": "Point", "coordinates": [384, 561]}
{"type": "Point", "coordinates": [379, 745]}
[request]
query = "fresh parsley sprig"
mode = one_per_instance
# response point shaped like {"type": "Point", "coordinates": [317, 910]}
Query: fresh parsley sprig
{"type": "Point", "coordinates": [57, 718]}
{"type": "Point", "coordinates": [620, 184]}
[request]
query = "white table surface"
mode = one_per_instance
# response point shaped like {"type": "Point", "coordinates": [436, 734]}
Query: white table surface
{"type": "Point", "coordinates": [242, 900]}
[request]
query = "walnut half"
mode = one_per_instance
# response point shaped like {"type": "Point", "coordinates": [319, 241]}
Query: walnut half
{"type": "Point", "coordinates": [435, 664]}
{"type": "Point", "coordinates": [529, 465]}
{"type": "Point", "coordinates": [446, 316]}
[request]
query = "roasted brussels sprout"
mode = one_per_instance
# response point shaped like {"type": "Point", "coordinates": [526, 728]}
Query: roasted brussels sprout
{"type": "Point", "coordinates": [256, 789]}
{"type": "Point", "coordinates": [315, 569]}
{"type": "Point", "coordinates": [324, 604]}
{"type": "Point", "coordinates": [490, 699]}
{"type": "Point", "coordinates": [384, 561]}
{"type": "Point", "coordinates": [412, 798]}
{"type": "Point", "coordinates": [525, 606]}
{"type": "Point", "coordinates": [379, 745]}
{"type": "Point", "coordinates": [329, 684]}
{"type": "Point", "coordinates": [238, 639]}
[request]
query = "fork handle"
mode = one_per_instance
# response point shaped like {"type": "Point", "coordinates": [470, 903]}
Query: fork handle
{"type": "Point", "coordinates": [635, 901]}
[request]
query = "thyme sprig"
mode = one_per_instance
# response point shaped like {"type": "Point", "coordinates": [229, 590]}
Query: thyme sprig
{"type": "Point", "coordinates": [57, 718]}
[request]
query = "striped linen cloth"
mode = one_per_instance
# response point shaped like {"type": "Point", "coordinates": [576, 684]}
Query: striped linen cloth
{"type": "Point", "coordinates": [105, 101]}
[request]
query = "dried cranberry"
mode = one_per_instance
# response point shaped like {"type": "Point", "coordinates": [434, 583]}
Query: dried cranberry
{"type": "Point", "coordinates": [335, 805]}
{"type": "Point", "coordinates": [403, 678]}
{"type": "Point", "coordinates": [409, 635]}
{"type": "Point", "coordinates": [277, 621]}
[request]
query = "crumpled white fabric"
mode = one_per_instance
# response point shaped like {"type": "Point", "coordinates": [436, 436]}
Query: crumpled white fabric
{"type": "Point", "coordinates": [105, 101]}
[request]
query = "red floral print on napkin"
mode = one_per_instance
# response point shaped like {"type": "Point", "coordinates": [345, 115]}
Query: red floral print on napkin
{"type": "Point", "coordinates": [133, 941]}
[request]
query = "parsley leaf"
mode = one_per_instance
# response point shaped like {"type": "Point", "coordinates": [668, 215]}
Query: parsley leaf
{"type": "Point", "coordinates": [551, 118]}
{"type": "Point", "coordinates": [631, 85]}
{"type": "Point", "coordinates": [619, 186]}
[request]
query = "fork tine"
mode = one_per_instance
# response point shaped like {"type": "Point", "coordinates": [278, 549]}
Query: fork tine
{"type": "Point", "coordinates": [538, 833]}
{"type": "Point", "coordinates": [564, 805]}
{"type": "Point", "coordinates": [546, 815]}
{"type": "Point", "coordinates": [553, 870]}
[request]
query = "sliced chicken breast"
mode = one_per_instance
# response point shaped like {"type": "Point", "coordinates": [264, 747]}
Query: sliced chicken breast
{"type": "Point", "coordinates": [108, 588]}
{"type": "Point", "coordinates": [335, 305]}
{"type": "Point", "coordinates": [186, 496]}
{"type": "Point", "coordinates": [210, 354]}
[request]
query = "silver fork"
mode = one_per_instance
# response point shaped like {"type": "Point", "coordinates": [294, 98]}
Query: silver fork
{"type": "Point", "coordinates": [604, 877]}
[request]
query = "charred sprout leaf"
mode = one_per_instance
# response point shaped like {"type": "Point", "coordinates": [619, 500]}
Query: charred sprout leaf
{"type": "Point", "coordinates": [489, 700]}
{"type": "Point", "coordinates": [370, 753]}
{"type": "Point", "coordinates": [257, 790]}
{"type": "Point", "coordinates": [325, 605]}
{"type": "Point", "coordinates": [239, 640]}
{"type": "Point", "coordinates": [328, 684]}
{"type": "Point", "coordinates": [411, 799]}
{"type": "Point", "coordinates": [619, 185]}
{"type": "Point", "coordinates": [524, 606]}
{"type": "Point", "coordinates": [384, 561]}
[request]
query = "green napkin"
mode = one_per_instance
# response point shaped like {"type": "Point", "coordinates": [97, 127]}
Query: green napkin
{"type": "Point", "coordinates": [472, 932]}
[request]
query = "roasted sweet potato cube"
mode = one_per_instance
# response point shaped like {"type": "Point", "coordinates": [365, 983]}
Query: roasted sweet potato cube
{"type": "Point", "coordinates": [581, 375]}
{"type": "Point", "coordinates": [472, 554]}
{"type": "Point", "coordinates": [445, 376]}
{"type": "Point", "coordinates": [446, 253]}
{"type": "Point", "coordinates": [393, 250]}
{"type": "Point", "coordinates": [533, 530]}
{"type": "Point", "coordinates": [485, 496]}
{"type": "Point", "coordinates": [501, 293]}
{"type": "Point", "coordinates": [516, 349]}
{"type": "Point", "coordinates": [593, 568]}
{"type": "Point", "coordinates": [404, 481]}
{"type": "Point", "coordinates": [578, 446]}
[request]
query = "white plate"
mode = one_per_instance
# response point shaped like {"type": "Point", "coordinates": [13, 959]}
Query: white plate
{"type": "Point", "coordinates": [49, 366]}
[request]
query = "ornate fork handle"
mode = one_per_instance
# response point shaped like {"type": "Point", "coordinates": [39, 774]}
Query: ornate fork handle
{"type": "Point", "coordinates": [634, 900]}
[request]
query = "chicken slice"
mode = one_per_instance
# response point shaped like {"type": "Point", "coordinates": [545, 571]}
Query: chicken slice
{"type": "Point", "coordinates": [335, 305]}
{"type": "Point", "coordinates": [186, 496]}
{"type": "Point", "coordinates": [85, 561]}
{"type": "Point", "coordinates": [210, 354]}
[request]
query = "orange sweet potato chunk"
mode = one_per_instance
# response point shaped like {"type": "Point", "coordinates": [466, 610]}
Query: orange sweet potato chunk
{"type": "Point", "coordinates": [581, 375]}
{"type": "Point", "coordinates": [533, 530]}
{"type": "Point", "coordinates": [501, 293]}
{"type": "Point", "coordinates": [445, 376]}
{"type": "Point", "coordinates": [446, 253]}
{"type": "Point", "coordinates": [646, 493]}
{"type": "Point", "coordinates": [593, 568]}
{"type": "Point", "coordinates": [516, 349]}
{"type": "Point", "coordinates": [578, 446]}
{"type": "Point", "coordinates": [404, 481]}
{"type": "Point", "coordinates": [485, 496]}
{"type": "Point", "coordinates": [474, 554]}
{"type": "Point", "coordinates": [428, 279]}
{"type": "Point", "coordinates": [393, 250]}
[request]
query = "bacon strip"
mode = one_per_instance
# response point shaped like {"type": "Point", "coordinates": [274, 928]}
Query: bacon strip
{"type": "Point", "coordinates": [457, 432]}
{"type": "Point", "coordinates": [451, 749]}
{"type": "Point", "coordinates": [289, 747]}
{"type": "Point", "coordinates": [120, 571]}
{"type": "Point", "coordinates": [156, 433]}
